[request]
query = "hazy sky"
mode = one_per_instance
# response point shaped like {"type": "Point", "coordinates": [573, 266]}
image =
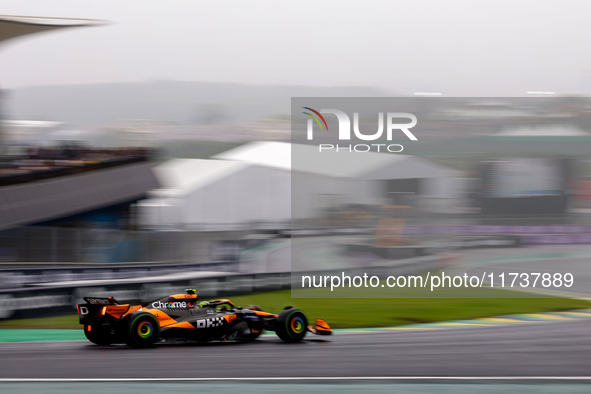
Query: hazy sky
{"type": "Point", "coordinates": [470, 47]}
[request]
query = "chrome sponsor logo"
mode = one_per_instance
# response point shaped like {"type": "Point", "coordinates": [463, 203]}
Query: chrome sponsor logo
{"type": "Point", "coordinates": [169, 305]}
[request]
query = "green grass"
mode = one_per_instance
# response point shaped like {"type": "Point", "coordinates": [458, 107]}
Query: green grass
{"type": "Point", "coordinates": [370, 312]}
{"type": "Point", "coordinates": [380, 312]}
{"type": "Point", "coordinates": [57, 322]}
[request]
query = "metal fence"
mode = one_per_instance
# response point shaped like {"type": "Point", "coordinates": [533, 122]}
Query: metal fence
{"type": "Point", "coordinates": [59, 245]}
{"type": "Point", "coordinates": [102, 246]}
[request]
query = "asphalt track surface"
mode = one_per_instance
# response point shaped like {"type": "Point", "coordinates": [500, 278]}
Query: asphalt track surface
{"type": "Point", "coordinates": [526, 350]}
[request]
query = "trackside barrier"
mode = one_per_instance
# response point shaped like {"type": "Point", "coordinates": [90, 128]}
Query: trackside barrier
{"type": "Point", "coordinates": [19, 277]}
{"type": "Point", "coordinates": [43, 301]}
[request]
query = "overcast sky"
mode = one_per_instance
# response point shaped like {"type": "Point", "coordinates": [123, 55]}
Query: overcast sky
{"type": "Point", "coordinates": [477, 48]}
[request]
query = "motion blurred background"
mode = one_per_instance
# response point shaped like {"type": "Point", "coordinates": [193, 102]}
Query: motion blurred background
{"type": "Point", "coordinates": [150, 148]}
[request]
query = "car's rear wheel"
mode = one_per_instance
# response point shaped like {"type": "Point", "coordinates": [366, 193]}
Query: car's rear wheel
{"type": "Point", "coordinates": [97, 335]}
{"type": "Point", "coordinates": [143, 329]}
{"type": "Point", "coordinates": [291, 325]}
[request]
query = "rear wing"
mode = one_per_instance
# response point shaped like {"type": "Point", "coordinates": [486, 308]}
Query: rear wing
{"type": "Point", "coordinates": [97, 307]}
{"type": "Point", "coordinates": [101, 301]}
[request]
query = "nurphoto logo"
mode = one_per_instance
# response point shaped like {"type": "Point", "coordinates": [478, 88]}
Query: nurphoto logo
{"type": "Point", "coordinates": [392, 125]}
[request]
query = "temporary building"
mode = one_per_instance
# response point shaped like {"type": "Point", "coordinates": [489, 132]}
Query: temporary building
{"type": "Point", "coordinates": [327, 179]}
{"type": "Point", "coordinates": [212, 194]}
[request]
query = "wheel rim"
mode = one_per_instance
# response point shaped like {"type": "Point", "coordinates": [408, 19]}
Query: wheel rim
{"type": "Point", "coordinates": [297, 325]}
{"type": "Point", "coordinates": [145, 329]}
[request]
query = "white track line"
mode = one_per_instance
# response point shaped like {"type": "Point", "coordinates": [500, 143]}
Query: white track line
{"type": "Point", "coordinates": [312, 378]}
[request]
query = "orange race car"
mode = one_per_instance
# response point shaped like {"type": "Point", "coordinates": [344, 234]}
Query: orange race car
{"type": "Point", "coordinates": [179, 317]}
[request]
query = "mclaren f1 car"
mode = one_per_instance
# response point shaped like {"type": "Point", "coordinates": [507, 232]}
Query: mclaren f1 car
{"type": "Point", "coordinates": [180, 317]}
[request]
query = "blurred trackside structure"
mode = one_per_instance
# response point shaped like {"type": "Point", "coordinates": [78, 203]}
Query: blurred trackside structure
{"type": "Point", "coordinates": [63, 185]}
{"type": "Point", "coordinates": [13, 26]}
{"type": "Point", "coordinates": [48, 184]}
{"type": "Point", "coordinates": [275, 182]}
{"type": "Point", "coordinates": [216, 194]}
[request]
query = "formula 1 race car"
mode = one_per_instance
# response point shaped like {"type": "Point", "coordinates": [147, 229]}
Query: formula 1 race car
{"type": "Point", "coordinates": [179, 317]}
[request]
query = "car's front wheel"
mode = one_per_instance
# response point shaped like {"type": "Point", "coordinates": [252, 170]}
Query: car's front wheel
{"type": "Point", "coordinates": [291, 325]}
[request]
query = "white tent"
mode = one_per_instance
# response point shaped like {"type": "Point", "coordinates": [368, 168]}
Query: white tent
{"type": "Point", "coordinates": [273, 182]}
{"type": "Point", "coordinates": [344, 164]}
{"type": "Point", "coordinates": [215, 194]}
{"type": "Point", "coordinates": [322, 180]}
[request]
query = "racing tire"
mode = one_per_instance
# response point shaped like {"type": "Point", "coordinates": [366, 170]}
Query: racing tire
{"type": "Point", "coordinates": [291, 325]}
{"type": "Point", "coordinates": [96, 335]}
{"type": "Point", "coordinates": [143, 329]}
